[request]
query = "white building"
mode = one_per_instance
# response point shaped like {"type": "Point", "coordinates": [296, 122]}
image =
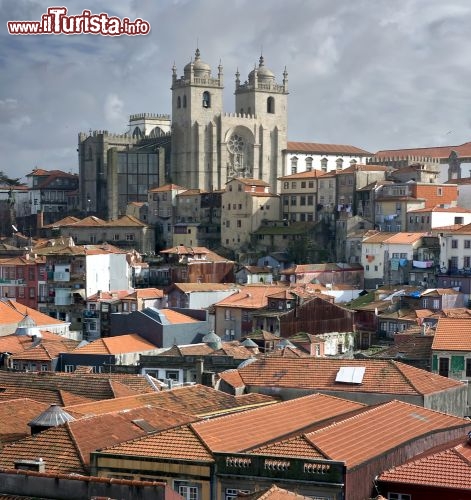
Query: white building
{"type": "Point", "coordinates": [425, 219]}
{"type": "Point", "coordinates": [305, 156]}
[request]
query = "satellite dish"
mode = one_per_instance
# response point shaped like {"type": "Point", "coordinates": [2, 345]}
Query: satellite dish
{"type": "Point", "coordinates": [14, 228]}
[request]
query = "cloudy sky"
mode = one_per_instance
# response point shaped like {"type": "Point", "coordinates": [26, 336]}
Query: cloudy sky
{"type": "Point", "coordinates": [376, 74]}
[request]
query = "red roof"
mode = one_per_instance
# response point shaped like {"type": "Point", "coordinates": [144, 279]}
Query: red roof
{"type": "Point", "coordinates": [331, 149]}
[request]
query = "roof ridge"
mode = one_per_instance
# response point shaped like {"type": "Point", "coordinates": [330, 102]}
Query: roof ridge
{"type": "Point", "coordinates": [76, 445]}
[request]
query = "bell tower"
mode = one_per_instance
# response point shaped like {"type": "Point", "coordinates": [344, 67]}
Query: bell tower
{"type": "Point", "coordinates": [197, 104]}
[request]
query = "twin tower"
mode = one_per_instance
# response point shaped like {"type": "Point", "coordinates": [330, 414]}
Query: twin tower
{"type": "Point", "coordinates": [210, 146]}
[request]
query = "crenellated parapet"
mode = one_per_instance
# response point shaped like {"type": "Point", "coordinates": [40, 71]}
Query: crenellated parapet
{"type": "Point", "coordinates": [154, 116]}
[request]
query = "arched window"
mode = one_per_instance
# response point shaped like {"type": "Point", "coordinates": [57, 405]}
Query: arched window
{"type": "Point", "coordinates": [339, 163]}
{"type": "Point", "coordinates": [308, 163]}
{"type": "Point", "coordinates": [270, 105]}
{"type": "Point", "coordinates": [324, 164]}
{"type": "Point", "coordinates": [353, 162]}
{"type": "Point", "coordinates": [294, 165]}
{"type": "Point", "coordinates": [206, 99]}
{"type": "Point", "coordinates": [137, 132]}
{"type": "Point", "coordinates": [184, 101]}
{"type": "Point", "coordinates": [179, 102]}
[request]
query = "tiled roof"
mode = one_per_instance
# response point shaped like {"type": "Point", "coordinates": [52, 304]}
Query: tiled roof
{"type": "Point", "coordinates": [308, 174]}
{"type": "Point", "coordinates": [175, 318]}
{"type": "Point", "coordinates": [15, 415]}
{"type": "Point", "coordinates": [359, 167]}
{"type": "Point", "coordinates": [204, 287]}
{"type": "Point", "coordinates": [442, 152]}
{"type": "Point", "coordinates": [12, 312]}
{"type": "Point", "coordinates": [66, 221]}
{"type": "Point", "coordinates": [46, 350]}
{"type": "Point", "coordinates": [233, 378]}
{"type": "Point", "coordinates": [450, 468]}
{"type": "Point", "coordinates": [251, 182]}
{"type": "Point", "coordinates": [250, 297]}
{"type": "Point", "coordinates": [297, 446]}
{"type": "Point", "coordinates": [233, 349]}
{"type": "Point", "coordinates": [331, 149]}
{"type": "Point", "coordinates": [418, 347]}
{"type": "Point", "coordinates": [394, 238]}
{"type": "Point", "coordinates": [244, 430]}
{"type": "Point", "coordinates": [239, 431]}
{"type": "Point", "coordinates": [89, 387]}
{"type": "Point", "coordinates": [178, 444]}
{"type": "Point", "coordinates": [145, 293]}
{"type": "Point", "coordinates": [387, 426]}
{"type": "Point", "coordinates": [439, 209]}
{"type": "Point", "coordinates": [108, 296]}
{"type": "Point", "coordinates": [275, 493]}
{"type": "Point", "coordinates": [385, 376]}
{"type": "Point", "coordinates": [193, 400]}
{"type": "Point", "coordinates": [452, 334]}
{"type": "Point", "coordinates": [66, 448]}
{"type": "Point", "coordinates": [167, 187]}
{"type": "Point", "coordinates": [192, 192]}
{"type": "Point", "coordinates": [116, 345]}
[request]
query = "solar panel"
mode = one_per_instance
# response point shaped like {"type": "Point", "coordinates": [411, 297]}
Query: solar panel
{"type": "Point", "coordinates": [350, 374]}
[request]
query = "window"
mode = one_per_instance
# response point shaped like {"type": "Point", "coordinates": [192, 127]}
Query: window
{"type": "Point", "coordinates": [184, 101]}
{"type": "Point", "coordinates": [339, 163]}
{"type": "Point", "coordinates": [310, 184]}
{"type": "Point", "coordinates": [239, 223]}
{"type": "Point", "coordinates": [467, 261]}
{"type": "Point", "coordinates": [231, 493]}
{"type": "Point", "coordinates": [324, 164]}
{"type": "Point", "coordinates": [308, 164]}
{"type": "Point", "coordinates": [468, 367]}
{"type": "Point", "coordinates": [399, 496]}
{"type": "Point", "coordinates": [303, 185]}
{"type": "Point", "coordinates": [171, 374]}
{"type": "Point", "coordinates": [179, 102]}
{"type": "Point", "coordinates": [302, 200]}
{"type": "Point", "coordinates": [130, 237]}
{"type": "Point", "coordinates": [285, 185]}
{"type": "Point", "coordinates": [467, 243]}
{"type": "Point", "coordinates": [293, 201]}
{"type": "Point", "coordinates": [439, 191]}
{"type": "Point", "coordinates": [294, 165]}
{"type": "Point", "coordinates": [32, 293]}
{"type": "Point", "coordinates": [189, 491]}
{"type": "Point", "coordinates": [92, 239]}
{"type": "Point", "coordinates": [270, 105]}
{"type": "Point", "coordinates": [310, 200]}
{"type": "Point", "coordinates": [69, 368]}
{"type": "Point", "coordinates": [116, 237]}
{"type": "Point", "coordinates": [206, 99]}
{"type": "Point", "coordinates": [293, 185]}
{"type": "Point", "coordinates": [454, 243]}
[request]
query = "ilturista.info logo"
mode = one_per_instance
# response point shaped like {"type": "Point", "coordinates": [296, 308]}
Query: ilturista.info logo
{"type": "Point", "coordinates": [57, 22]}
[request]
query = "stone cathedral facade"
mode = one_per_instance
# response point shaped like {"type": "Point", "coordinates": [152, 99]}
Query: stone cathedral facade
{"type": "Point", "coordinates": [211, 146]}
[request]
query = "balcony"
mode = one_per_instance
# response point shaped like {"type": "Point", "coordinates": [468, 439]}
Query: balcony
{"type": "Point", "coordinates": [88, 314]}
{"type": "Point", "coordinates": [9, 282]}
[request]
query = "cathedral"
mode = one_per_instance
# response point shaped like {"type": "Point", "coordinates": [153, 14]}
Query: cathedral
{"type": "Point", "coordinates": [211, 146]}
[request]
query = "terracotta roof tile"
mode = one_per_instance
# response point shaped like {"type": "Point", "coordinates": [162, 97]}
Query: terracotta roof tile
{"type": "Point", "coordinates": [387, 426]}
{"type": "Point", "coordinates": [237, 432]}
{"type": "Point", "coordinates": [386, 376]}
{"type": "Point", "coordinates": [450, 468]}
{"type": "Point", "coordinates": [66, 449]}
{"type": "Point", "coordinates": [193, 400]}
{"type": "Point", "coordinates": [308, 174]}
{"type": "Point", "coordinates": [145, 293]}
{"type": "Point", "coordinates": [245, 430]}
{"type": "Point", "coordinates": [332, 149]}
{"type": "Point", "coordinates": [394, 238]}
{"type": "Point", "coordinates": [275, 493]}
{"type": "Point", "coordinates": [250, 297]}
{"type": "Point", "coordinates": [15, 415]}
{"type": "Point", "coordinates": [167, 187]}
{"type": "Point", "coordinates": [116, 345]}
{"type": "Point", "coordinates": [442, 152]}
{"type": "Point", "coordinates": [181, 443]}
{"type": "Point", "coordinates": [204, 287]}
{"type": "Point", "coordinates": [452, 334]}
{"type": "Point", "coordinates": [298, 446]}
{"type": "Point", "coordinates": [175, 317]}
{"type": "Point", "coordinates": [12, 312]}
